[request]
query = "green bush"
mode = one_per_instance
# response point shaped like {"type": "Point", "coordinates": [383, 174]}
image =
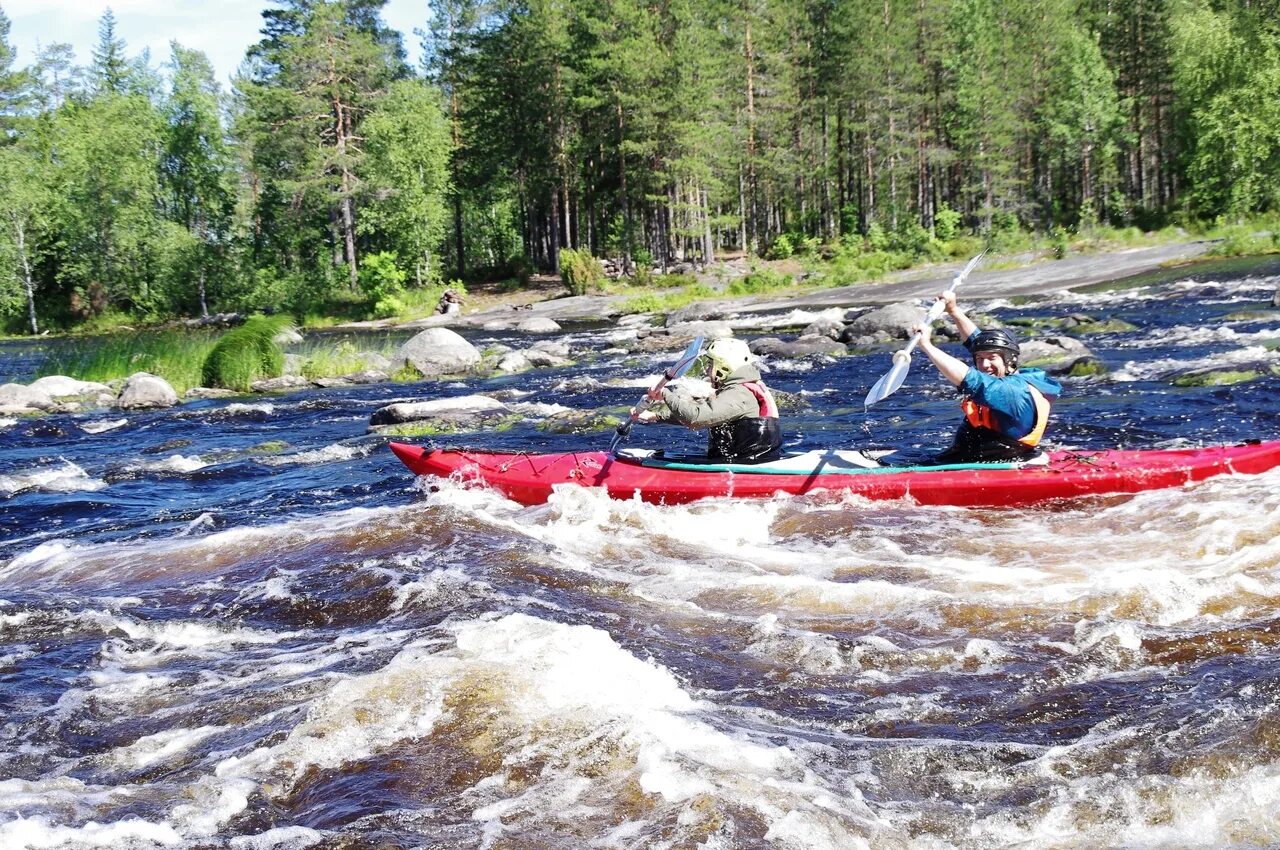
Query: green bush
{"type": "Point", "coordinates": [781, 248]}
{"type": "Point", "coordinates": [946, 223]}
{"type": "Point", "coordinates": [760, 280]}
{"type": "Point", "coordinates": [581, 272]}
{"type": "Point", "coordinates": [380, 278]}
{"type": "Point", "coordinates": [246, 354]}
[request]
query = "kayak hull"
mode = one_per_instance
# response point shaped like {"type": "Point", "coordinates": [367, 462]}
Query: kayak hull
{"type": "Point", "coordinates": [530, 478]}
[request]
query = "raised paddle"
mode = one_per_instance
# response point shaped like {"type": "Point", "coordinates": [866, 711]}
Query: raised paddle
{"type": "Point", "coordinates": [679, 368]}
{"type": "Point", "coordinates": [889, 383]}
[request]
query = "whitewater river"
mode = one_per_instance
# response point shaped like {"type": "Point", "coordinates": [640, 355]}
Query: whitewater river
{"type": "Point", "coordinates": [243, 624]}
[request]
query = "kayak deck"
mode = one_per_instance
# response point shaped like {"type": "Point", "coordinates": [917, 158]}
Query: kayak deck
{"type": "Point", "coordinates": [530, 478]}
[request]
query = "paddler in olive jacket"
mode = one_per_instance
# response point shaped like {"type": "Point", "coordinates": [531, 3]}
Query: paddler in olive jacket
{"type": "Point", "coordinates": [1006, 407]}
{"type": "Point", "coordinates": [741, 415]}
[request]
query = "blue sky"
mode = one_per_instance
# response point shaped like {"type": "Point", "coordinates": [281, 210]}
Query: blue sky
{"type": "Point", "coordinates": [222, 29]}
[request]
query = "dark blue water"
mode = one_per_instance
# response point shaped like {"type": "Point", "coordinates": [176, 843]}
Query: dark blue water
{"type": "Point", "coordinates": [242, 623]}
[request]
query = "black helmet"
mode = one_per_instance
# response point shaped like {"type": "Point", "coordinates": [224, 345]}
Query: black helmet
{"type": "Point", "coordinates": [996, 339]}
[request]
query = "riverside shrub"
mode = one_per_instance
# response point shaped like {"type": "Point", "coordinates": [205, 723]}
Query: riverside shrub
{"type": "Point", "coordinates": [246, 354]}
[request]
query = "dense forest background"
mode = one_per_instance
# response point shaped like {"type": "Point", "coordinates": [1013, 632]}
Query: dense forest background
{"type": "Point", "coordinates": [642, 131]}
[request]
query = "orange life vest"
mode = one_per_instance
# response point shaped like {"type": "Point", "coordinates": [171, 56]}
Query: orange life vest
{"type": "Point", "coordinates": [980, 416]}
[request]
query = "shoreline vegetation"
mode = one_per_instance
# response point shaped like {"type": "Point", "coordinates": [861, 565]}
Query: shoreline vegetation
{"type": "Point", "coordinates": [234, 358]}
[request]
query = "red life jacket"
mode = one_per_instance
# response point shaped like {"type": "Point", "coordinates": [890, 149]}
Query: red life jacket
{"type": "Point", "coordinates": [768, 407]}
{"type": "Point", "coordinates": [980, 416]}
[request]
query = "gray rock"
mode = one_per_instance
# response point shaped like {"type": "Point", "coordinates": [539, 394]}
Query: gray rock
{"type": "Point", "coordinates": [544, 359]}
{"type": "Point", "coordinates": [463, 407]}
{"type": "Point", "coordinates": [700, 312]}
{"type": "Point", "coordinates": [1055, 354]}
{"type": "Point", "coordinates": [513, 361]}
{"type": "Point", "coordinates": [707, 330]}
{"type": "Point", "coordinates": [19, 398]}
{"type": "Point", "coordinates": [198, 393]}
{"type": "Point", "coordinates": [143, 391]}
{"type": "Point", "coordinates": [895, 320]}
{"type": "Point", "coordinates": [1275, 299]}
{"type": "Point", "coordinates": [806, 346]}
{"type": "Point", "coordinates": [830, 328]}
{"type": "Point", "coordinates": [539, 326]}
{"type": "Point", "coordinates": [551, 346]}
{"type": "Point", "coordinates": [60, 386]}
{"type": "Point", "coordinates": [435, 352]}
{"type": "Point", "coordinates": [284, 382]}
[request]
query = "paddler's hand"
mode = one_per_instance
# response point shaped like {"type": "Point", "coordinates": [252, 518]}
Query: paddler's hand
{"type": "Point", "coordinates": [654, 394]}
{"type": "Point", "coordinates": [948, 298]}
{"type": "Point", "coordinates": [645, 416]}
{"type": "Point", "coordinates": [925, 330]}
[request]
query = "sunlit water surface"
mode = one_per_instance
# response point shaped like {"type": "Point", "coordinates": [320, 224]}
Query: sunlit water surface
{"type": "Point", "coordinates": [243, 624]}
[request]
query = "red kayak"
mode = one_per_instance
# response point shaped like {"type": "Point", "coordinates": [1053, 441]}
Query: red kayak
{"type": "Point", "coordinates": [529, 478]}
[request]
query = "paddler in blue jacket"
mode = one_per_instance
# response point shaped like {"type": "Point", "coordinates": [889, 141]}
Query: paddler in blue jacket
{"type": "Point", "coordinates": [1006, 408]}
{"type": "Point", "coordinates": [741, 417]}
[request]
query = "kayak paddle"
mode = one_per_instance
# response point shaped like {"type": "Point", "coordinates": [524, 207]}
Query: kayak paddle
{"type": "Point", "coordinates": [681, 366]}
{"type": "Point", "coordinates": [893, 379]}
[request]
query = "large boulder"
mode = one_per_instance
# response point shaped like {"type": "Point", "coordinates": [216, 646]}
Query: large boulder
{"type": "Point", "coordinates": [435, 352]}
{"type": "Point", "coordinates": [60, 386]}
{"type": "Point", "coordinates": [894, 321]}
{"type": "Point", "coordinates": [20, 398]}
{"type": "Point", "coordinates": [143, 391]}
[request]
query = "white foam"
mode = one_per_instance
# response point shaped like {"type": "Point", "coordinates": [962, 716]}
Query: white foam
{"type": "Point", "coordinates": [174, 463]}
{"type": "Point", "coordinates": [67, 478]}
{"type": "Point", "coordinates": [38, 833]}
{"type": "Point", "coordinates": [102, 425]}
{"type": "Point", "coordinates": [326, 454]}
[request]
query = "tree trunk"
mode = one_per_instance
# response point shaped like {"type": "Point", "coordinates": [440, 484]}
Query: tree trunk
{"type": "Point", "coordinates": [20, 238]}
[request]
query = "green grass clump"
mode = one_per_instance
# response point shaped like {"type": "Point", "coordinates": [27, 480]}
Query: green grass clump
{"type": "Point", "coordinates": [246, 354]}
{"type": "Point", "coordinates": [174, 355]}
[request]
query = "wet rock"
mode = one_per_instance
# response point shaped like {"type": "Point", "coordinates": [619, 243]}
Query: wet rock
{"type": "Point", "coordinates": [830, 328]}
{"type": "Point", "coordinates": [435, 352]}
{"type": "Point", "coordinates": [1275, 299]}
{"type": "Point", "coordinates": [578, 422]}
{"type": "Point", "coordinates": [280, 384]}
{"type": "Point", "coordinates": [20, 398]}
{"type": "Point", "coordinates": [544, 359]}
{"type": "Point", "coordinates": [539, 326]}
{"type": "Point", "coordinates": [551, 346]}
{"type": "Point", "coordinates": [513, 361]}
{"type": "Point", "coordinates": [199, 393]}
{"type": "Point", "coordinates": [706, 330]}
{"type": "Point", "coordinates": [1221, 376]}
{"type": "Point", "coordinates": [144, 391]}
{"type": "Point", "coordinates": [812, 345]}
{"type": "Point", "coordinates": [1058, 355]}
{"type": "Point", "coordinates": [443, 414]}
{"type": "Point", "coordinates": [579, 385]}
{"type": "Point", "coordinates": [661, 343]}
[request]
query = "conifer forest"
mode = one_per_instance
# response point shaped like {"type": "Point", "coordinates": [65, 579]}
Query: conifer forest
{"type": "Point", "coordinates": [644, 131]}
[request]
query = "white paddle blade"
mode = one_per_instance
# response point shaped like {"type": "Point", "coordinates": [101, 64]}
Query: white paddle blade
{"type": "Point", "coordinates": [888, 385]}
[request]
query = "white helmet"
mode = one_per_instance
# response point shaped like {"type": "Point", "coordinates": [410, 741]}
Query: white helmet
{"type": "Point", "coordinates": [725, 355]}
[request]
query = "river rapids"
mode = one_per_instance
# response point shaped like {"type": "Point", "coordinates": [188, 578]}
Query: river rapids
{"type": "Point", "coordinates": [243, 624]}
